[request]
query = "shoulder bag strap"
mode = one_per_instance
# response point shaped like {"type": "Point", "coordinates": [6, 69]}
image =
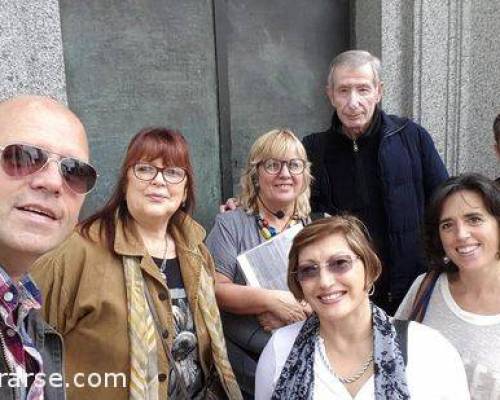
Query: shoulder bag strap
{"type": "Point", "coordinates": [401, 327]}
{"type": "Point", "coordinates": [423, 296]}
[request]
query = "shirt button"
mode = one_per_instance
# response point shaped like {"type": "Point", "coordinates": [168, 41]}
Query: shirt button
{"type": "Point", "coordinates": [11, 333]}
{"type": "Point", "coordinates": [8, 296]}
{"type": "Point", "coordinates": [162, 377]}
{"type": "Point", "coordinates": [162, 296]}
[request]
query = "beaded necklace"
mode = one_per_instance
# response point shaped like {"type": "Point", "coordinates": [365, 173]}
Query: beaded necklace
{"type": "Point", "coordinates": [268, 231]}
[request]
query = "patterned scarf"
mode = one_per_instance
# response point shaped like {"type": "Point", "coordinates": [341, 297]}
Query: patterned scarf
{"type": "Point", "coordinates": [211, 316]}
{"type": "Point", "coordinates": [143, 346]}
{"type": "Point", "coordinates": [297, 377]}
{"type": "Point", "coordinates": [141, 332]}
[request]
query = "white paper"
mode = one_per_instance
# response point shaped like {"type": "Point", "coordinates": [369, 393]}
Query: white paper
{"type": "Point", "coordinates": [266, 265]}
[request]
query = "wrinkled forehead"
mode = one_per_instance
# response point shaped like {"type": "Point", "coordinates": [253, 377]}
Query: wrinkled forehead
{"type": "Point", "coordinates": [52, 128]}
{"type": "Point", "coordinates": [349, 74]}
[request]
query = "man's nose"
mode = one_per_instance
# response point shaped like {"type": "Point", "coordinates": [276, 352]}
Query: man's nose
{"type": "Point", "coordinates": [48, 178]}
{"type": "Point", "coordinates": [353, 100]}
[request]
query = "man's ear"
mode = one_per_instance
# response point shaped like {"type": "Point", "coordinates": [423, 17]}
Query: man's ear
{"type": "Point", "coordinates": [380, 90]}
{"type": "Point", "coordinates": [329, 94]}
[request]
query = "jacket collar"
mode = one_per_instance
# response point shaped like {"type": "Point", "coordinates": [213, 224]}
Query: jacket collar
{"type": "Point", "coordinates": [372, 131]}
{"type": "Point", "coordinates": [186, 232]}
{"type": "Point", "coordinates": [389, 124]}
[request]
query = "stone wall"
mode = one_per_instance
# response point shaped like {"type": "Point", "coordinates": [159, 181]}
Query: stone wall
{"type": "Point", "coordinates": [440, 64]}
{"type": "Point", "coordinates": [31, 52]}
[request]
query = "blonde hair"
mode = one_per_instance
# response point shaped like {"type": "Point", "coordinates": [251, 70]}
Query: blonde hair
{"type": "Point", "coordinates": [274, 144]}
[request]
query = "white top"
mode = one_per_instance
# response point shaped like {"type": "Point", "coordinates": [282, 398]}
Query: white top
{"type": "Point", "coordinates": [434, 369]}
{"type": "Point", "coordinates": [476, 337]}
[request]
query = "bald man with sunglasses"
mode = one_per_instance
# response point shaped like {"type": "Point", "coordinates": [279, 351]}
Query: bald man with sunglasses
{"type": "Point", "coordinates": [44, 176]}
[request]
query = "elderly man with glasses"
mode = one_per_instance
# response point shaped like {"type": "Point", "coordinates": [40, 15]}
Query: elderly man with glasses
{"type": "Point", "coordinates": [39, 205]}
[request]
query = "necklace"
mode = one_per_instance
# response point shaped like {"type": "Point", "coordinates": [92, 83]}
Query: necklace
{"type": "Point", "coordinates": [267, 231]}
{"type": "Point", "coordinates": [164, 260]}
{"type": "Point", "coordinates": [320, 346]}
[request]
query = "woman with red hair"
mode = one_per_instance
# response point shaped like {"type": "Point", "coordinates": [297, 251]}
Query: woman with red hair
{"type": "Point", "coordinates": [132, 290]}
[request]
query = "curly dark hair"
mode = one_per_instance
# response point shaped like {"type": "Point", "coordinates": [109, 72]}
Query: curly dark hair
{"type": "Point", "coordinates": [484, 187]}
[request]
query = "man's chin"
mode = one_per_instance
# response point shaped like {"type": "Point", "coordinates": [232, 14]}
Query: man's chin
{"type": "Point", "coordinates": [37, 244]}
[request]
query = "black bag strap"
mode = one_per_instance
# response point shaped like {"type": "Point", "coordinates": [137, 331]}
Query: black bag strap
{"type": "Point", "coordinates": [402, 337]}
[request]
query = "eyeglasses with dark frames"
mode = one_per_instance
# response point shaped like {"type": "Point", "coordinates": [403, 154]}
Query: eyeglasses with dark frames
{"type": "Point", "coordinates": [148, 172]}
{"type": "Point", "coordinates": [20, 160]}
{"type": "Point", "coordinates": [273, 166]}
{"type": "Point", "coordinates": [337, 265]}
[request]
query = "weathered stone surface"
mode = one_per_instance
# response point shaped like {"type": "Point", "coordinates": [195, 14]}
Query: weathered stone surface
{"type": "Point", "coordinates": [31, 49]}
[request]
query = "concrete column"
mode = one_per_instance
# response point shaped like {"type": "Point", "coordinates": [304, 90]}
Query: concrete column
{"type": "Point", "coordinates": [31, 51]}
{"type": "Point", "coordinates": [440, 67]}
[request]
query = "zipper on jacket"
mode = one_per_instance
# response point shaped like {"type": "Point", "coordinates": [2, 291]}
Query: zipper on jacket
{"type": "Point", "coordinates": [355, 147]}
{"type": "Point", "coordinates": [17, 394]}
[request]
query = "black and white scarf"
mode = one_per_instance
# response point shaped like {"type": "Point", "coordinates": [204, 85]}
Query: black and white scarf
{"type": "Point", "coordinates": [297, 377]}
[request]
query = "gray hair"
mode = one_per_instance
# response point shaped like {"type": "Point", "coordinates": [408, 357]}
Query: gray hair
{"type": "Point", "coordinates": [354, 59]}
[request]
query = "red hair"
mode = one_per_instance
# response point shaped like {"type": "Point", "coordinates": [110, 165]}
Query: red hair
{"type": "Point", "coordinates": [147, 145]}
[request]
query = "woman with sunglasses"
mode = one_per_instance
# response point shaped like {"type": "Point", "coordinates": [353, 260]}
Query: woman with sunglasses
{"type": "Point", "coordinates": [275, 195]}
{"type": "Point", "coordinates": [349, 348]}
{"type": "Point", "coordinates": [460, 296]}
{"type": "Point", "coordinates": [132, 291]}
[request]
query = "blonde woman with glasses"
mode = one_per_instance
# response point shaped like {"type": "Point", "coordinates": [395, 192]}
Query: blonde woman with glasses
{"type": "Point", "coordinates": [274, 196]}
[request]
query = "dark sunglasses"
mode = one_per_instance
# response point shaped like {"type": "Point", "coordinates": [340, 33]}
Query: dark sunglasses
{"type": "Point", "coordinates": [336, 265]}
{"type": "Point", "coordinates": [20, 160]}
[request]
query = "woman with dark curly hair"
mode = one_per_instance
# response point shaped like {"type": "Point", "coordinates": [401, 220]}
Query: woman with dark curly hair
{"type": "Point", "coordinates": [460, 296]}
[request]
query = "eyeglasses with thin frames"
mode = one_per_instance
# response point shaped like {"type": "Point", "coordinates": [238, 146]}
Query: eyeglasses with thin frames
{"type": "Point", "coordinates": [20, 160]}
{"type": "Point", "coordinates": [337, 265]}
